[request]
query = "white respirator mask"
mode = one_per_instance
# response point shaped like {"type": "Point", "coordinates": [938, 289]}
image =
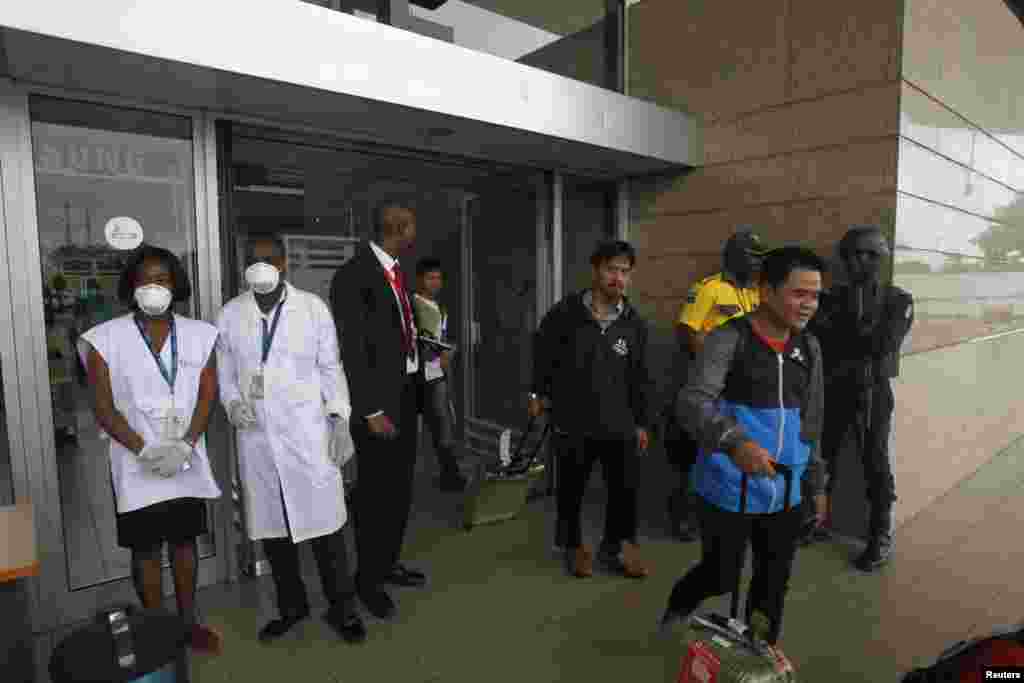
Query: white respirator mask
{"type": "Point", "coordinates": [262, 277]}
{"type": "Point", "coordinates": [154, 300]}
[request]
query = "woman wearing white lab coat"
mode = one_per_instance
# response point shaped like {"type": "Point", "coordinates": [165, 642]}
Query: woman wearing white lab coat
{"type": "Point", "coordinates": [282, 384]}
{"type": "Point", "coordinates": [154, 384]}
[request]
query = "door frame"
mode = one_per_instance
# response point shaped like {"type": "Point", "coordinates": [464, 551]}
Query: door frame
{"type": "Point", "coordinates": [547, 188]}
{"type": "Point", "coordinates": [54, 604]}
{"type": "Point", "coordinates": [8, 359]}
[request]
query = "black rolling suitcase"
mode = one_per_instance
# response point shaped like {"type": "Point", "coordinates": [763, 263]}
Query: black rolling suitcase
{"type": "Point", "coordinates": [727, 650]}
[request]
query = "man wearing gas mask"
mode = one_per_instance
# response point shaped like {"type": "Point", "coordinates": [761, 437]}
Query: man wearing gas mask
{"type": "Point", "coordinates": [284, 389]}
{"type": "Point", "coordinates": [709, 303]}
{"type": "Point", "coordinates": [861, 326]}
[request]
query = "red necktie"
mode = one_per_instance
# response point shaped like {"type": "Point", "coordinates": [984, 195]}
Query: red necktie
{"type": "Point", "coordinates": [399, 285]}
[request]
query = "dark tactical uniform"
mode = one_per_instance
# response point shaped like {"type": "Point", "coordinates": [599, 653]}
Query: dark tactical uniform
{"type": "Point", "coordinates": [861, 357]}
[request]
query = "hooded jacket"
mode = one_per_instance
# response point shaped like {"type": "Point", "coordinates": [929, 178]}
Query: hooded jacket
{"type": "Point", "coordinates": [741, 389]}
{"type": "Point", "coordinates": [598, 380]}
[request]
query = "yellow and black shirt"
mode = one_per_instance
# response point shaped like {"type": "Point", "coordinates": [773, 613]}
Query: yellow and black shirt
{"type": "Point", "coordinates": [715, 300]}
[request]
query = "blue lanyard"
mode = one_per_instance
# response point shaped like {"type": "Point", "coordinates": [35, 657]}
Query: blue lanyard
{"type": "Point", "coordinates": [268, 336]}
{"type": "Point", "coordinates": [168, 375]}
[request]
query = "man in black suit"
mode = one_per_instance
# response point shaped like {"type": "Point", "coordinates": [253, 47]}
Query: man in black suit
{"type": "Point", "coordinates": [373, 311]}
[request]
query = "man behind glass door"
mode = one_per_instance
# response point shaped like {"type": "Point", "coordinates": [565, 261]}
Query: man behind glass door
{"type": "Point", "coordinates": [435, 391]}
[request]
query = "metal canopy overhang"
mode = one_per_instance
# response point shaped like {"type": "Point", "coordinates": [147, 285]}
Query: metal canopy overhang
{"type": "Point", "coordinates": [294, 64]}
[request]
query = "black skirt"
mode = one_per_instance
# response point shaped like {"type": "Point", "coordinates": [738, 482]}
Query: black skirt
{"type": "Point", "coordinates": [172, 521]}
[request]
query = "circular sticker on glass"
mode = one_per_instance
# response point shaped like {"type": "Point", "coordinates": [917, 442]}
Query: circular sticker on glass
{"type": "Point", "coordinates": [124, 233]}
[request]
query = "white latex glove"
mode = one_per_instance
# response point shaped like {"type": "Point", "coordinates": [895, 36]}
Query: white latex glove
{"type": "Point", "coordinates": [175, 458]}
{"type": "Point", "coordinates": [152, 452]}
{"type": "Point", "coordinates": [241, 415]}
{"type": "Point", "coordinates": [341, 447]}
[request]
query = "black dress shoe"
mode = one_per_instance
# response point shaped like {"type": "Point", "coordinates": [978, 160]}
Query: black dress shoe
{"type": "Point", "coordinates": [378, 603]}
{"type": "Point", "coordinates": [401, 575]}
{"type": "Point", "coordinates": [278, 627]}
{"type": "Point", "coordinates": [347, 623]}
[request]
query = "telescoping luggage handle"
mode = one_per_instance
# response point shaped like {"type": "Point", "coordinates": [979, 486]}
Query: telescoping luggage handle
{"type": "Point", "coordinates": [116, 619]}
{"type": "Point", "coordinates": [515, 466]}
{"type": "Point", "coordinates": [787, 474]}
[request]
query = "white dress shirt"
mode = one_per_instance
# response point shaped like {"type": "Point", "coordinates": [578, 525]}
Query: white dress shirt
{"type": "Point", "coordinates": [389, 263]}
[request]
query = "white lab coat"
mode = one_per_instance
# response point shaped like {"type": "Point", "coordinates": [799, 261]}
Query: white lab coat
{"type": "Point", "coordinates": [287, 452]}
{"type": "Point", "coordinates": [142, 396]}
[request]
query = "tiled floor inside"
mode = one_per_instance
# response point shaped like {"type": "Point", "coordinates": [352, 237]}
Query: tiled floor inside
{"type": "Point", "coordinates": [499, 607]}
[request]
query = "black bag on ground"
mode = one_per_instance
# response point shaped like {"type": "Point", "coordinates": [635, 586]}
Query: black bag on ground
{"type": "Point", "coordinates": [124, 645]}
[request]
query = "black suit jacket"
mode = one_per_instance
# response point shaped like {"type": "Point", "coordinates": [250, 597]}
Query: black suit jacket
{"type": "Point", "coordinates": [370, 335]}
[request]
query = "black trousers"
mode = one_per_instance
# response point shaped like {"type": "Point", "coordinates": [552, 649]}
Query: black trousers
{"type": "Point", "coordinates": [436, 407]}
{"type": "Point", "coordinates": [841, 424]}
{"type": "Point", "coordinates": [577, 456]}
{"type": "Point", "coordinates": [331, 561]}
{"type": "Point", "coordinates": [724, 536]}
{"type": "Point", "coordinates": [382, 498]}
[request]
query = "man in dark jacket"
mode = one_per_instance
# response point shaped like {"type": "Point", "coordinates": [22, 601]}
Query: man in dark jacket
{"type": "Point", "coordinates": [862, 326]}
{"type": "Point", "coordinates": [755, 399]}
{"type": "Point", "coordinates": [590, 363]}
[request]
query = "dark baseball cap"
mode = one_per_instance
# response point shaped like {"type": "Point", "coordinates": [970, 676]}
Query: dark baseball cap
{"type": "Point", "coordinates": [748, 241]}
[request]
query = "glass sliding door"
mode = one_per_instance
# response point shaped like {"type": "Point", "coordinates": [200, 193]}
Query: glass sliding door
{"type": "Point", "coordinates": [504, 292]}
{"type": "Point", "coordinates": [104, 180]}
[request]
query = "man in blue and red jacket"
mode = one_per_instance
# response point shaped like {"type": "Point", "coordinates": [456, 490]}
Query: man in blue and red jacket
{"type": "Point", "coordinates": [753, 399]}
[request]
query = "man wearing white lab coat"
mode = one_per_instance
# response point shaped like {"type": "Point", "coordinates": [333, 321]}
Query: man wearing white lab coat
{"type": "Point", "coordinates": [283, 386]}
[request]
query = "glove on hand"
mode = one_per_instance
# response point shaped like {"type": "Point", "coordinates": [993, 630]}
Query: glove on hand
{"type": "Point", "coordinates": [152, 452]}
{"type": "Point", "coordinates": [175, 458]}
{"type": "Point", "coordinates": [341, 446]}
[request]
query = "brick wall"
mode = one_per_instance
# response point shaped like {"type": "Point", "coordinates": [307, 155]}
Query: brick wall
{"type": "Point", "coordinates": [799, 109]}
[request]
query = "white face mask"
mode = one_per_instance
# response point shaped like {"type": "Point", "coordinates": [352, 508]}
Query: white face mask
{"type": "Point", "coordinates": [262, 277]}
{"type": "Point", "coordinates": [154, 300]}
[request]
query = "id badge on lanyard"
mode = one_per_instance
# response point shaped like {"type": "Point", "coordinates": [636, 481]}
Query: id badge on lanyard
{"type": "Point", "coordinates": [170, 424]}
{"type": "Point", "coordinates": [257, 387]}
